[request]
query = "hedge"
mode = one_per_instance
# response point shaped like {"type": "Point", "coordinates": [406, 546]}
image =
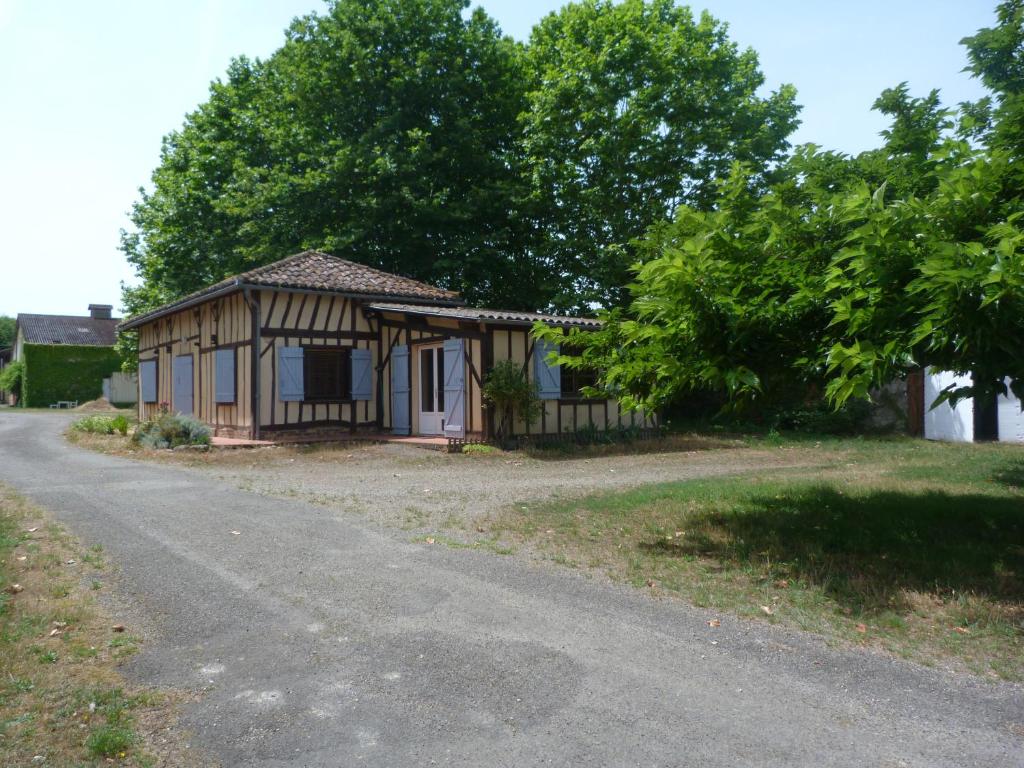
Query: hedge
{"type": "Point", "coordinates": [65, 372]}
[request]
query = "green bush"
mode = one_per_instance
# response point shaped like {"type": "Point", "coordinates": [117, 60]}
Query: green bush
{"type": "Point", "coordinates": [96, 425]}
{"type": "Point", "coordinates": [821, 419]}
{"type": "Point", "coordinates": [511, 394]}
{"type": "Point", "coordinates": [56, 372]}
{"type": "Point", "coordinates": [12, 377]}
{"type": "Point", "coordinates": [171, 430]}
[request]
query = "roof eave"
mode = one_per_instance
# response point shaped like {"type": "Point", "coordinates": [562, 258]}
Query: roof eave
{"type": "Point", "coordinates": [167, 309]}
{"type": "Point", "coordinates": [237, 285]}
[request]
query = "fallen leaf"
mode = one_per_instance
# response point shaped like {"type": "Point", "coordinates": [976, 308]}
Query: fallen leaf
{"type": "Point", "coordinates": [680, 533]}
{"type": "Point", "coordinates": [22, 558]}
{"type": "Point", "coordinates": [60, 624]}
{"type": "Point", "coordinates": [15, 589]}
{"type": "Point", "coordinates": [118, 627]}
{"type": "Point", "coordinates": [862, 628]}
{"type": "Point", "coordinates": [782, 583]}
{"type": "Point", "coordinates": [71, 562]}
{"type": "Point", "coordinates": [236, 533]}
{"type": "Point", "coordinates": [650, 582]}
{"type": "Point", "coordinates": [32, 530]}
{"type": "Point", "coordinates": [430, 539]}
{"type": "Point", "coordinates": [962, 630]}
{"type": "Point", "coordinates": [767, 610]}
{"type": "Point", "coordinates": [55, 632]}
{"type": "Point", "coordinates": [480, 529]}
{"type": "Point", "coordinates": [714, 623]}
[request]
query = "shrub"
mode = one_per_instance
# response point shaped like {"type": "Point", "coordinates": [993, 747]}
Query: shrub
{"type": "Point", "coordinates": [170, 431]}
{"type": "Point", "coordinates": [11, 378]}
{"type": "Point", "coordinates": [120, 424]}
{"type": "Point", "coordinates": [511, 394]}
{"type": "Point", "coordinates": [96, 425]}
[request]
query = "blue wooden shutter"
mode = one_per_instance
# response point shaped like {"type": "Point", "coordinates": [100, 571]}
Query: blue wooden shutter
{"type": "Point", "coordinates": [401, 424]}
{"type": "Point", "coordinates": [224, 375]}
{"type": "Point", "coordinates": [147, 377]}
{"type": "Point", "coordinates": [182, 384]}
{"type": "Point", "coordinates": [454, 389]}
{"type": "Point", "coordinates": [362, 379]}
{"type": "Point", "coordinates": [290, 384]}
{"type": "Point", "coordinates": [547, 375]}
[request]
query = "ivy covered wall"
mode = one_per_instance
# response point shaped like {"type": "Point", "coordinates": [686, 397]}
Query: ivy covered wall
{"type": "Point", "coordinates": [65, 372]}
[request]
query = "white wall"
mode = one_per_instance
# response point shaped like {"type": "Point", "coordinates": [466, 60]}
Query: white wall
{"type": "Point", "coordinates": [945, 422]}
{"type": "Point", "coordinates": [121, 388]}
{"type": "Point", "coordinates": [1011, 420]}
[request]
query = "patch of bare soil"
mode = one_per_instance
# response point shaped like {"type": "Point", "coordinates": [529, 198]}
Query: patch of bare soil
{"type": "Point", "coordinates": [99, 405]}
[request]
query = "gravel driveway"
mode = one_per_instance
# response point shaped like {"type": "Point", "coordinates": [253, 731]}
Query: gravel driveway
{"type": "Point", "coordinates": [396, 485]}
{"type": "Point", "coordinates": [314, 639]}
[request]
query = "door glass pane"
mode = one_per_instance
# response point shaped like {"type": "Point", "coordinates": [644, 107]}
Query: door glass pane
{"type": "Point", "coordinates": [427, 380]}
{"type": "Point", "coordinates": [440, 380]}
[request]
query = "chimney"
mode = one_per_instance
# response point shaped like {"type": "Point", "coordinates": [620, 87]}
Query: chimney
{"type": "Point", "coordinates": [100, 311]}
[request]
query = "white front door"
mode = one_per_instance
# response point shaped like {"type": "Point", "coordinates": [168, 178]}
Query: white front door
{"type": "Point", "coordinates": [431, 394]}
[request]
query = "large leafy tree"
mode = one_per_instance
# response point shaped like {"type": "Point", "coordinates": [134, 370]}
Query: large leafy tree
{"type": "Point", "coordinates": [6, 331]}
{"type": "Point", "coordinates": [636, 108]}
{"type": "Point", "coordinates": [847, 272]}
{"type": "Point", "coordinates": [383, 131]}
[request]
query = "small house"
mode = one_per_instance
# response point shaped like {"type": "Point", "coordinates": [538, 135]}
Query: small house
{"type": "Point", "coordinates": [315, 342]}
{"type": "Point", "coordinates": [66, 357]}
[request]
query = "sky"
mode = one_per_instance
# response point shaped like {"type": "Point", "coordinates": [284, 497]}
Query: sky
{"type": "Point", "coordinates": [88, 89]}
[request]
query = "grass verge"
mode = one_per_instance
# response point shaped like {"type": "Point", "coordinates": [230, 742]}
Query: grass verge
{"type": "Point", "coordinates": [913, 547]}
{"type": "Point", "coordinates": [62, 699]}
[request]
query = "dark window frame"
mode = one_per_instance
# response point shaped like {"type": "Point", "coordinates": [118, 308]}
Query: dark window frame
{"type": "Point", "coordinates": [572, 380]}
{"type": "Point", "coordinates": [313, 356]}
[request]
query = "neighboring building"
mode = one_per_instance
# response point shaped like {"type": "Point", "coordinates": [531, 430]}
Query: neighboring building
{"type": "Point", "coordinates": [969, 420]}
{"type": "Point", "coordinates": [314, 341]}
{"type": "Point", "coordinates": [66, 357]}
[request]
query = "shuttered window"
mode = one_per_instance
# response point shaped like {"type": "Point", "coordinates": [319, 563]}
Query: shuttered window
{"type": "Point", "coordinates": [224, 376]}
{"type": "Point", "coordinates": [573, 381]}
{"type": "Point", "coordinates": [546, 374]}
{"type": "Point", "coordinates": [147, 380]}
{"type": "Point", "coordinates": [326, 374]}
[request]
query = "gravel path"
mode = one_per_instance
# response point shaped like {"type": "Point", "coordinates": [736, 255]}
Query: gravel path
{"type": "Point", "coordinates": [395, 485]}
{"type": "Point", "coordinates": [315, 639]}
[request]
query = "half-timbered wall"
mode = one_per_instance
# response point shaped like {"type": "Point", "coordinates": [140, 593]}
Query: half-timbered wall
{"type": "Point", "coordinates": [305, 319]}
{"type": "Point", "coordinates": [568, 413]}
{"type": "Point", "coordinates": [223, 323]}
{"type": "Point", "coordinates": [484, 347]}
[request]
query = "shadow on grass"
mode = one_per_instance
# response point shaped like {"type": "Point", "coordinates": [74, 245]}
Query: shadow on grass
{"type": "Point", "coordinates": [865, 550]}
{"type": "Point", "coordinates": [1011, 475]}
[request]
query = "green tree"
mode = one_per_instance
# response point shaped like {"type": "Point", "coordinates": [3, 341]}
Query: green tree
{"type": "Point", "coordinates": [847, 272]}
{"type": "Point", "coordinates": [636, 109]}
{"type": "Point", "coordinates": [6, 331]}
{"type": "Point", "coordinates": [383, 131]}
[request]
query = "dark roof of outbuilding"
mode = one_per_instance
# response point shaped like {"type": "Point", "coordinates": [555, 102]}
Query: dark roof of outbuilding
{"type": "Point", "coordinates": [68, 329]}
{"type": "Point", "coordinates": [486, 315]}
{"type": "Point", "coordinates": [315, 271]}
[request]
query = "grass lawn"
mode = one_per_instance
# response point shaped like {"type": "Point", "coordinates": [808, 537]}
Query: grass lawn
{"type": "Point", "coordinates": [61, 695]}
{"type": "Point", "coordinates": [905, 545]}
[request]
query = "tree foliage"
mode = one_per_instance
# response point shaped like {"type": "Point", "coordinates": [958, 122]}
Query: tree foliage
{"type": "Point", "coordinates": [383, 131]}
{"type": "Point", "coordinates": [510, 393]}
{"type": "Point", "coordinates": [7, 325]}
{"type": "Point", "coordinates": [413, 136]}
{"type": "Point", "coordinates": [635, 109]}
{"type": "Point", "coordinates": [845, 272]}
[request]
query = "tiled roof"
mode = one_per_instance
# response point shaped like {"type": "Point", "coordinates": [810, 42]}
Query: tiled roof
{"type": "Point", "coordinates": [487, 315]}
{"type": "Point", "coordinates": [315, 271]}
{"type": "Point", "coordinates": [68, 329]}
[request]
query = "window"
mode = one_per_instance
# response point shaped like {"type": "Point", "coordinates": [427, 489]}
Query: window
{"type": "Point", "coordinates": [573, 382]}
{"type": "Point", "coordinates": [326, 374]}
